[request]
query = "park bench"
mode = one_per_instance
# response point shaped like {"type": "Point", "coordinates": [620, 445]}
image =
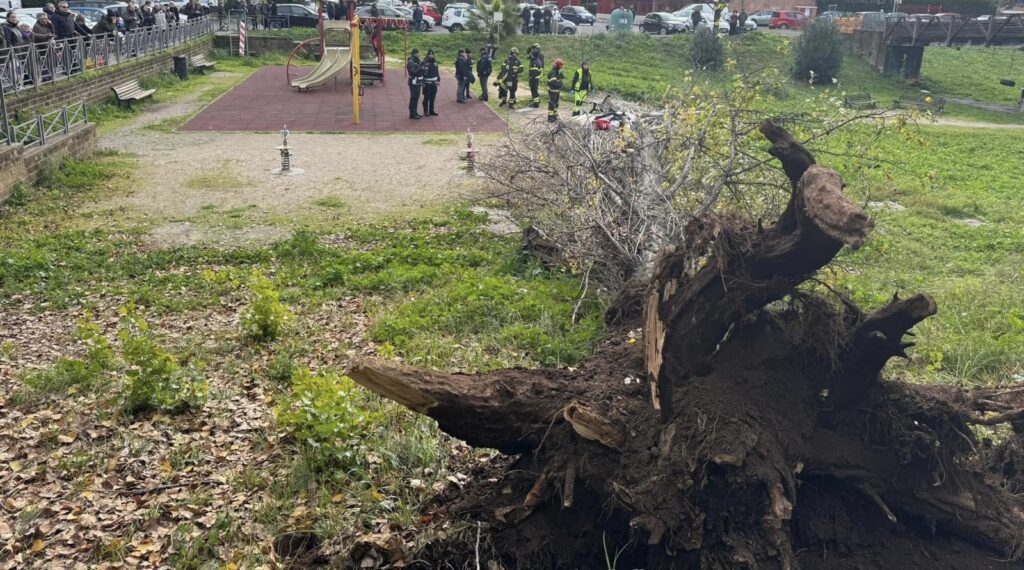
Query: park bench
{"type": "Point", "coordinates": [860, 101]}
{"type": "Point", "coordinates": [131, 92]}
{"type": "Point", "coordinates": [201, 64]}
{"type": "Point", "coordinates": [926, 103]}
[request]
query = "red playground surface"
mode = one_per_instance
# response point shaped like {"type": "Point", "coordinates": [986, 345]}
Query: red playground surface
{"type": "Point", "coordinates": [265, 102]}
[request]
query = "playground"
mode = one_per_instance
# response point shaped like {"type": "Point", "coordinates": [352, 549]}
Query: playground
{"type": "Point", "coordinates": [341, 93]}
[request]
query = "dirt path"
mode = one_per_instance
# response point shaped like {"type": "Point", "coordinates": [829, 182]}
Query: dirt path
{"type": "Point", "coordinates": [943, 122]}
{"type": "Point", "coordinates": [218, 187]}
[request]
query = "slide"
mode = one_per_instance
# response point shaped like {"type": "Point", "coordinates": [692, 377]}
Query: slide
{"type": "Point", "coordinates": [334, 62]}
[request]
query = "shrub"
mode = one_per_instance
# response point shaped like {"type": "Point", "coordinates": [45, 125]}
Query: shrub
{"type": "Point", "coordinates": [817, 53]}
{"type": "Point", "coordinates": [281, 368]}
{"type": "Point", "coordinates": [154, 379]}
{"type": "Point", "coordinates": [323, 412]}
{"type": "Point", "coordinates": [706, 51]}
{"type": "Point", "coordinates": [266, 317]}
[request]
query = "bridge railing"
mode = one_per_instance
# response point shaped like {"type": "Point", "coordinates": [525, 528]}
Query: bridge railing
{"type": "Point", "coordinates": [27, 67]}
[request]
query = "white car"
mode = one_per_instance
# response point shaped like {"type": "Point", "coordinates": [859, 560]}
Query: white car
{"type": "Point", "coordinates": [709, 17]}
{"type": "Point", "coordinates": [456, 17]}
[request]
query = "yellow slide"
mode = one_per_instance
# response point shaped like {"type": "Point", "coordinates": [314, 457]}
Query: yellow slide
{"type": "Point", "coordinates": [334, 62]}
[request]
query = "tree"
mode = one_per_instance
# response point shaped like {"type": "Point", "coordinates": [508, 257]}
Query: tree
{"type": "Point", "coordinates": [818, 53]}
{"type": "Point", "coordinates": [483, 18]}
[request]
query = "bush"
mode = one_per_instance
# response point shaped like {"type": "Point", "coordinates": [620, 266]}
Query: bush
{"type": "Point", "coordinates": [266, 317]}
{"type": "Point", "coordinates": [817, 53]}
{"type": "Point", "coordinates": [155, 380]}
{"type": "Point", "coordinates": [323, 412]}
{"type": "Point", "coordinates": [707, 51]}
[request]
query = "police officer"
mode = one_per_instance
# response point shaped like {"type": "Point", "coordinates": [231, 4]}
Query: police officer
{"type": "Point", "coordinates": [556, 80]}
{"type": "Point", "coordinates": [582, 83]}
{"type": "Point", "coordinates": [431, 79]}
{"type": "Point", "coordinates": [508, 79]}
{"type": "Point", "coordinates": [414, 69]}
{"type": "Point", "coordinates": [536, 69]}
{"type": "Point", "coordinates": [483, 71]}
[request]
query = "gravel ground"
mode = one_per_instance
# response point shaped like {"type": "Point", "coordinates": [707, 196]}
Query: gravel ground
{"type": "Point", "coordinates": [197, 177]}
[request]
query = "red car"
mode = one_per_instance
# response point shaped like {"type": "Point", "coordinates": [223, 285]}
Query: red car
{"type": "Point", "coordinates": [429, 9]}
{"type": "Point", "coordinates": [787, 20]}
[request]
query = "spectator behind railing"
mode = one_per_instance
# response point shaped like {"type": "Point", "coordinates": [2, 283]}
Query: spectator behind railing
{"type": "Point", "coordinates": [12, 35]}
{"type": "Point", "coordinates": [81, 28]}
{"type": "Point", "coordinates": [131, 18]}
{"type": "Point", "coordinates": [173, 16]}
{"type": "Point", "coordinates": [159, 17]}
{"type": "Point", "coordinates": [49, 10]}
{"type": "Point", "coordinates": [43, 30]}
{"type": "Point", "coordinates": [63, 22]}
{"type": "Point", "coordinates": [105, 26]}
{"type": "Point", "coordinates": [26, 34]}
{"type": "Point", "coordinates": [147, 17]}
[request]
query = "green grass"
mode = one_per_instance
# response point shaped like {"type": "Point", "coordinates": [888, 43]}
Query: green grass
{"type": "Point", "coordinates": [974, 72]}
{"type": "Point", "coordinates": [943, 176]}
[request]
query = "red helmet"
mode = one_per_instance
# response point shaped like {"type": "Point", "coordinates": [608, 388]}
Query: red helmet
{"type": "Point", "coordinates": [559, 63]}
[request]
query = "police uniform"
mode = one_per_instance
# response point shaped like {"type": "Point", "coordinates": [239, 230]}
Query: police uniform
{"type": "Point", "coordinates": [508, 79]}
{"type": "Point", "coordinates": [431, 79]}
{"type": "Point", "coordinates": [414, 69]}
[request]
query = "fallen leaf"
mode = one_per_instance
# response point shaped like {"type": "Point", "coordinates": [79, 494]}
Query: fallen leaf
{"type": "Point", "coordinates": [38, 545]}
{"type": "Point", "coordinates": [16, 466]}
{"type": "Point", "coordinates": [67, 438]}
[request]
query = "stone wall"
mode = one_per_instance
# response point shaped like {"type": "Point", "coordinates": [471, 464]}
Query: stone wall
{"type": "Point", "coordinates": [94, 86]}
{"type": "Point", "coordinates": [28, 165]}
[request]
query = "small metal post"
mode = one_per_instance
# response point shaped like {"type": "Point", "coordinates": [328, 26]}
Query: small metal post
{"type": "Point", "coordinates": [470, 152]}
{"type": "Point", "coordinates": [64, 115]}
{"type": "Point", "coordinates": [286, 157]}
{"type": "Point", "coordinates": [42, 130]}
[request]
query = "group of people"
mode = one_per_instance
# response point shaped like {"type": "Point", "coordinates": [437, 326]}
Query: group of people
{"type": "Point", "coordinates": [56, 23]}
{"type": "Point", "coordinates": [424, 78]}
{"type": "Point", "coordinates": [736, 19]}
{"type": "Point", "coordinates": [538, 20]}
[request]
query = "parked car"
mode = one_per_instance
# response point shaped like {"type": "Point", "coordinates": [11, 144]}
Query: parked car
{"type": "Point", "coordinates": [723, 23]}
{"type": "Point", "coordinates": [564, 27]}
{"type": "Point", "coordinates": [429, 9]}
{"type": "Point", "coordinates": [663, 23]}
{"type": "Point", "coordinates": [386, 12]}
{"type": "Point", "coordinates": [763, 17]}
{"type": "Point", "coordinates": [428, 22]}
{"type": "Point", "coordinates": [457, 16]}
{"type": "Point", "coordinates": [830, 15]}
{"type": "Point", "coordinates": [298, 16]}
{"type": "Point", "coordinates": [788, 20]}
{"type": "Point", "coordinates": [577, 15]}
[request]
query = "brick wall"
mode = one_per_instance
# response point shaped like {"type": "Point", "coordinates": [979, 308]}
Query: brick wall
{"type": "Point", "coordinates": [255, 45]}
{"type": "Point", "coordinates": [94, 86]}
{"type": "Point", "coordinates": [28, 165]}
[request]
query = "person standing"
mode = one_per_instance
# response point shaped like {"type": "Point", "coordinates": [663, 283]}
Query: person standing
{"type": "Point", "coordinates": [63, 22]}
{"type": "Point", "coordinates": [49, 10]}
{"type": "Point", "coordinates": [743, 20]}
{"type": "Point", "coordinates": [462, 73]}
{"type": "Point", "coordinates": [159, 17]}
{"type": "Point", "coordinates": [508, 79]}
{"type": "Point", "coordinates": [10, 29]}
{"type": "Point", "coordinates": [548, 18]}
{"type": "Point", "coordinates": [131, 17]}
{"type": "Point", "coordinates": [414, 69]}
{"type": "Point", "coordinates": [472, 79]}
{"type": "Point", "coordinates": [483, 71]}
{"type": "Point", "coordinates": [582, 83]}
{"type": "Point", "coordinates": [695, 18]}
{"type": "Point", "coordinates": [536, 69]}
{"type": "Point", "coordinates": [556, 81]}
{"type": "Point", "coordinates": [525, 16]}
{"type": "Point", "coordinates": [431, 79]}
{"type": "Point", "coordinates": [538, 21]}
{"type": "Point", "coordinates": [417, 17]}
{"type": "Point", "coordinates": [734, 23]}
{"type": "Point", "coordinates": [43, 30]}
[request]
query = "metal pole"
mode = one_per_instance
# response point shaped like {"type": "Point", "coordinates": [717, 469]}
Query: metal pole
{"type": "Point", "coordinates": [3, 115]}
{"type": "Point", "coordinates": [42, 130]}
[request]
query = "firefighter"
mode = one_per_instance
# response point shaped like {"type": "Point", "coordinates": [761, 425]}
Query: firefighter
{"type": "Point", "coordinates": [508, 79]}
{"type": "Point", "coordinates": [536, 69]}
{"type": "Point", "coordinates": [556, 80]}
{"type": "Point", "coordinates": [431, 78]}
{"type": "Point", "coordinates": [415, 72]}
{"type": "Point", "coordinates": [582, 83]}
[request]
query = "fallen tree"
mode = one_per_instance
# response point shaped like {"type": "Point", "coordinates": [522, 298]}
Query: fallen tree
{"type": "Point", "coordinates": [751, 427]}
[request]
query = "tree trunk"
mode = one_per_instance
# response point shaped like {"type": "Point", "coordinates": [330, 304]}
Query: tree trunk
{"type": "Point", "coordinates": [750, 428]}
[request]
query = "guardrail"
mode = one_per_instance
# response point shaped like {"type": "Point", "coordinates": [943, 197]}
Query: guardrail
{"type": "Point", "coordinates": [42, 127]}
{"type": "Point", "coordinates": [30, 66]}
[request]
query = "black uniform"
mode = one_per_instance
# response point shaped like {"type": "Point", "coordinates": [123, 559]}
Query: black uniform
{"type": "Point", "coordinates": [415, 70]}
{"type": "Point", "coordinates": [431, 79]}
{"type": "Point", "coordinates": [525, 16]}
{"type": "Point", "coordinates": [483, 71]}
{"type": "Point", "coordinates": [508, 80]}
{"type": "Point", "coordinates": [556, 80]}
{"type": "Point", "coordinates": [538, 21]}
{"type": "Point", "coordinates": [536, 69]}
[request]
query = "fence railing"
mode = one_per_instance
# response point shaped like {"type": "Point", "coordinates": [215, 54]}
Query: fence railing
{"type": "Point", "coordinates": [48, 125]}
{"type": "Point", "coordinates": [30, 66]}
{"type": "Point", "coordinates": [228, 22]}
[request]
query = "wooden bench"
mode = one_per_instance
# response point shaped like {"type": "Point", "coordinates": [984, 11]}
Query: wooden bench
{"type": "Point", "coordinates": [131, 92]}
{"type": "Point", "coordinates": [926, 103]}
{"type": "Point", "coordinates": [201, 64]}
{"type": "Point", "coordinates": [860, 101]}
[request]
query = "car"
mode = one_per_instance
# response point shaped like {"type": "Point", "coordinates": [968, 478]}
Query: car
{"type": "Point", "coordinates": [663, 23]}
{"type": "Point", "coordinates": [723, 23]}
{"type": "Point", "coordinates": [763, 17]}
{"type": "Point", "coordinates": [564, 27]}
{"type": "Point", "coordinates": [429, 9]}
{"type": "Point", "coordinates": [457, 16]}
{"type": "Point", "coordinates": [385, 12]}
{"type": "Point", "coordinates": [577, 15]}
{"type": "Point", "coordinates": [831, 15]}
{"type": "Point", "coordinates": [787, 20]}
{"type": "Point", "coordinates": [298, 16]}
{"type": "Point", "coordinates": [428, 22]}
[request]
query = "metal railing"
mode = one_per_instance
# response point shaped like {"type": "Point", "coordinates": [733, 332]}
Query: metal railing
{"type": "Point", "coordinates": [228, 22]}
{"type": "Point", "coordinates": [30, 66]}
{"type": "Point", "coordinates": [48, 125]}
